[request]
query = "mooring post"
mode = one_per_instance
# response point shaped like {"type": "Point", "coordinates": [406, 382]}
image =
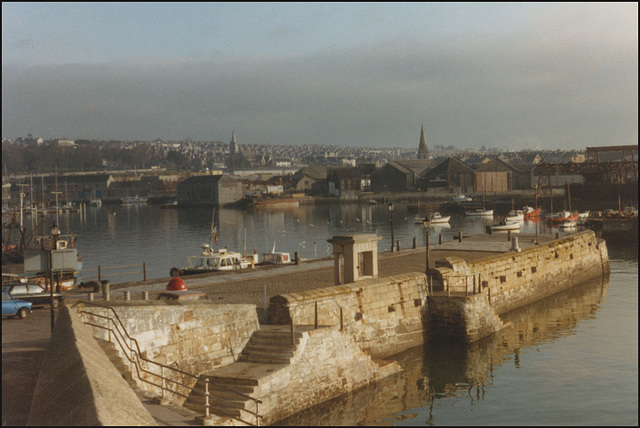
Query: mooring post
{"type": "Point", "coordinates": [414, 243]}
{"type": "Point", "coordinates": [144, 270]}
{"type": "Point", "coordinates": [341, 320]}
{"type": "Point", "coordinates": [440, 239]}
{"type": "Point", "coordinates": [145, 295]}
{"type": "Point", "coordinates": [127, 295]}
{"type": "Point", "coordinates": [460, 236]}
{"type": "Point", "coordinates": [206, 398]}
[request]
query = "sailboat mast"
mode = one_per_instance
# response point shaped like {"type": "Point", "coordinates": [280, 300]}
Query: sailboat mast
{"type": "Point", "coordinates": [213, 228]}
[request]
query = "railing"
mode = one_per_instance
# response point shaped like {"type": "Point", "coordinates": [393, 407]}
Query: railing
{"type": "Point", "coordinates": [295, 310]}
{"type": "Point", "coordinates": [460, 284]}
{"type": "Point", "coordinates": [100, 270]}
{"type": "Point", "coordinates": [133, 354]}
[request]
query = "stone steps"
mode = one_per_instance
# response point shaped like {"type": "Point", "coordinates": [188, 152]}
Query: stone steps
{"type": "Point", "coordinates": [123, 366]}
{"type": "Point", "coordinates": [268, 350]}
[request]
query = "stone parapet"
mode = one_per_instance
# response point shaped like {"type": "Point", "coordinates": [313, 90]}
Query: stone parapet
{"type": "Point", "coordinates": [78, 385]}
{"type": "Point", "coordinates": [384, 315]}
{"type": "Point", "coordinates": [193, 337]}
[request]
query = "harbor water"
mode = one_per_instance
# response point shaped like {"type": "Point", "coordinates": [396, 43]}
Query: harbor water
{"type": "Point", "coordinates": [570, 359]}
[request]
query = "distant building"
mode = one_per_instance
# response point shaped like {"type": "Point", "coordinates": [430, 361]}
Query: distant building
{"type": "Point", "coordinates": [452, 174]}
{"type": "Point", "coordinates": [206, 190]}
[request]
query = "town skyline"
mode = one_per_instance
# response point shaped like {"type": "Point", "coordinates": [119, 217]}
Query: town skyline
{"type": "Point", "coordinates": [512, 76]}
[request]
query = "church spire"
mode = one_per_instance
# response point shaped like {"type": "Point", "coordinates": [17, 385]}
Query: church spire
{"type": "Point", "coordinates": [233, 145]}
{"type": "Point", "coordinates": [423, 152]}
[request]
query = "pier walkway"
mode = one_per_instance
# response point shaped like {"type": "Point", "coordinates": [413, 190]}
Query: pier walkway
{"type": "Point", "coordinates": [251, 286]}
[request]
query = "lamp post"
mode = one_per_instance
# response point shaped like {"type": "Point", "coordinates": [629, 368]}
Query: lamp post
{"type": "Point", "coordinates": [390, 206]}
{"type": "Point", "coordinates": [425, 222]}
{"type": "Point", "coordinates": [55, 235]}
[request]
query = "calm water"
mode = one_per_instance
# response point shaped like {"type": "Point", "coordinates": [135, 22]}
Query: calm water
{"type": "Point", "coordinates": [571, 359]}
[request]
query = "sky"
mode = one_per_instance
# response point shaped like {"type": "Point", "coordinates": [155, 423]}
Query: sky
{"type": "Point", "coordinates": [513, 76]}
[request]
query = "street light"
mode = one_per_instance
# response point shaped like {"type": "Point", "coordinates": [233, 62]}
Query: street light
{"type": "Point", "coordinates": [390, 206]}
{"type": "Point", "coordinates": [425, 222]}
{"type": "Point", "coordinates": [55, 235]}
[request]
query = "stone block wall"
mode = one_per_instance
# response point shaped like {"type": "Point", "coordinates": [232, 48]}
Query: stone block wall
{"type": "Point", "coordinates": [460, 318]}
{"type": "Point", "coordinates": [326, 364]}
{"type": "Point", "coordinates": [516, 279]}
{"type": "Point", "coordinates": [192, 337]}
{"type": "Point", "coordinates": [384, 315]}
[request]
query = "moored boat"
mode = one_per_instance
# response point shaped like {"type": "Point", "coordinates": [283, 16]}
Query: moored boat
{"type": "Point", "coordinates": [172, 204]}
{"type": "Point", "coordinates": [505, 225]}
{"type": "Point", "coordinates": [132, 200]}
{"type": "Point", "coordinates": [479, 212]}
{"type": "Point", "coordinates": [530, 213]}
{"type": "Point", "coordinates": [220, 260]}
{"type": "Point", "coordinates": [436, 218]}
{"type": "Point", "coordinates": [567, 224]}
{"type": "Point", "coordinates": [515, 215]}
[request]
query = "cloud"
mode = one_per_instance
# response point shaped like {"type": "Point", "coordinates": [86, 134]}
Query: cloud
{"type": "Point", "coordinates": [551, 84]}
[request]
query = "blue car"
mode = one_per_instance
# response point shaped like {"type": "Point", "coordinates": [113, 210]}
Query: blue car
{"type": "Point", "coordinates": [13, 307]}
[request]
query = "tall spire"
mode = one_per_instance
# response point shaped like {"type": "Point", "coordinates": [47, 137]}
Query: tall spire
{"type": "Point", "coordinates": [423, 152]}
{"type": "Point", "coordinates": [233, 145]}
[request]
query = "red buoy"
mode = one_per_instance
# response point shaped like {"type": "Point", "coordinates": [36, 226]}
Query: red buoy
{"type": "Point", "coordinates": [176, 284]}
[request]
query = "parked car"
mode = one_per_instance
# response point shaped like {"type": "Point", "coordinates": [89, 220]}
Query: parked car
{"type": "Point", "coordinates": [34, 293]}
{"type": "Point", "coordinates": [13, 307]}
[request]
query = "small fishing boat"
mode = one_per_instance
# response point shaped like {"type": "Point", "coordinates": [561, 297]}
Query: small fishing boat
{"type": "Point", "coordinates": [505, 225]}
{"type": "Point", "coordinates": [462, 198]}
{"type": "Point", "coordinates": [172, 204]}
{"type": "Point", "coordinates": [133, 200]}
{"type": "Point", "coordinates": [567, 224]}
{"type": "Point", "coordinates": [561, 216]}
{"type": "Point", "coordinates": [479, 212]}
{"type": "Point", "coordinates": [531, 213]}
{"type": "Point", "coordinates": [515, 215]}
{"type": "Point", "coordinates": [220, 260]}
{"type": "Point", "coordinates": [95, 202]}
{"type": "Point", "coordinates": [275, 258]}
{"type": "Point", "coordinates": [436, 218]}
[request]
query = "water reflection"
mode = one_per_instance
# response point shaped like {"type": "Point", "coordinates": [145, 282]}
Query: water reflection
{"type": "Point", "coordinates": [441, 371]}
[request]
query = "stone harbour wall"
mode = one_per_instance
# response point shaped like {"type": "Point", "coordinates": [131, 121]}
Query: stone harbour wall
{"type": "Point", "coordinates": [518, 278]}
{"type": "Point", "coordinates": [193, 337]}
{"type": "Point", "coordinates": [484, 289]}
{"type": "Point", "coordinates": [326, 364]}
{"type": "Point", "coordinates": [384, 315]}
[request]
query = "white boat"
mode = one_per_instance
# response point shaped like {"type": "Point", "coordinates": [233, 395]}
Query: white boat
{"type": "Point", "coordinates": [515, 215]}
{"type": "Point", "coordinates": [275, 258]}
{"type": "Point", "coordinates": [95, 202]}
{"type": "Point", "coordinates": [567, 224]}
{"type": "Point", "coordinates": [505, 225]}
{"type": "Point", "coordinates": [462, 198]}
{"type": "Point", "coordinates": [480, 212]}
{"type": "Point", "coordinates": [131, 200]}
{"type": "Point", "coordinates": [220, 260]}
{"type": "Point", "coordinates": [436, 218]}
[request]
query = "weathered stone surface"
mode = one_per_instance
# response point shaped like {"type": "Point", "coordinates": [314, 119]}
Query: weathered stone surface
{"type": "Point", "coordinates": [78, 385]}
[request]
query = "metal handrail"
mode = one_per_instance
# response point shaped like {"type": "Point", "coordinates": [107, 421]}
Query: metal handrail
{"type": "Point", "coordinates": [138, 367]}
{"type": "Point", "coordinates": [295, 310]}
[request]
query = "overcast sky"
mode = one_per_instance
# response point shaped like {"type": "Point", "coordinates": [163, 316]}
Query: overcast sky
{"type": "Point", "coordinates": [512, 76]}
